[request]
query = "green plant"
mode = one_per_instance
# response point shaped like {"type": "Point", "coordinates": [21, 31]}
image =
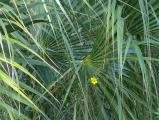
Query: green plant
{"type": "Point", "coordinates": [51, 49]}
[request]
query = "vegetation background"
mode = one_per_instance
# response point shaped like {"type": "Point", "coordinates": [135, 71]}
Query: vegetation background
{"type": "Point", "coordinates": [79, 59]}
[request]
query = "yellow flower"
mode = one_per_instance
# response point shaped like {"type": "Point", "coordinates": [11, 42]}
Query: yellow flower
{"type": "Point", "coordinates": [93, 80]}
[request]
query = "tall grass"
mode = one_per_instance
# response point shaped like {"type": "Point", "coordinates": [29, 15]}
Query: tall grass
{"type": "Point", "coordinates": [79, 59]}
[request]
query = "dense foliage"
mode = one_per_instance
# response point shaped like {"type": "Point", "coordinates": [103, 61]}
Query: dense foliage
{"type": "Point", "coordinates": [79, 59]}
